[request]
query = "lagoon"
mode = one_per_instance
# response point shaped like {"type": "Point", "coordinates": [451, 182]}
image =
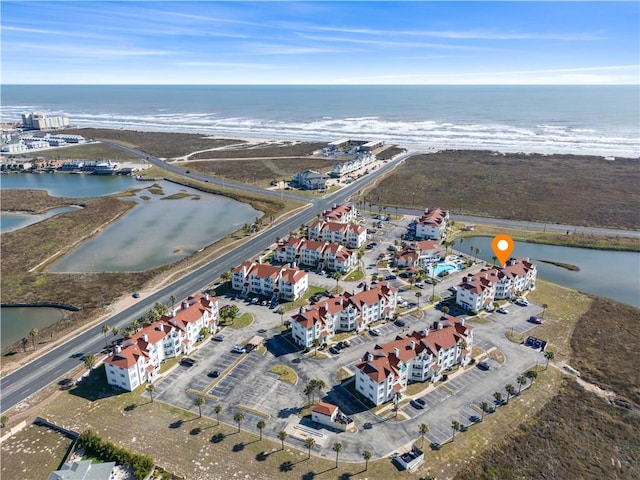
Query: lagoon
{"type": "Point", "coordinates": [69, 185]}
{"type": "Point", "coordinates": [605, 273]}
{"type": "Point", "coordinates": [10, 221]}
{"type": "Point", "coordinates": [17, 322]}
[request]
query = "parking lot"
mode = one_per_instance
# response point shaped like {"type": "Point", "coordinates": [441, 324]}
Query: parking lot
{"type": "Point", "coordinates": [249, 383]}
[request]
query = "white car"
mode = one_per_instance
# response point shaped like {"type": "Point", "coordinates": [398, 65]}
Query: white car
{"type": "Point", "coordinates": [522, 303]}
{"type": "Point", "coordinates": [239, 349]}
{"type": "Point", "coordinates": [375, 332]}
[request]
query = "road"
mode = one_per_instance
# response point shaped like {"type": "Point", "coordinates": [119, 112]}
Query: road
{"type": "Point", "coordinates": [32, 377]}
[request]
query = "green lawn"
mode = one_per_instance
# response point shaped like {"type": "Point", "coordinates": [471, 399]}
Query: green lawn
{"type": "Point", "coordinates": [287, 374]}
{"type": "Point", "coordinates": [242, 321]}
{"type": "Point", "coordinates": [304, 300]}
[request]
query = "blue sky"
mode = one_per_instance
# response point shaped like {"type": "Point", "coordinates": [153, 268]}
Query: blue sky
{"type": "Point", "coordinates": [205, 42]}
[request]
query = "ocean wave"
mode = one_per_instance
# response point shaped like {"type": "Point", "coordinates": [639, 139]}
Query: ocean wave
{"type": "Point", "coordinates": [539, 138]}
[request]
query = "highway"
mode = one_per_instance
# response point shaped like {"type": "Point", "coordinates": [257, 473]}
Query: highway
{"type": "Point", "coordinates": [32, 377]}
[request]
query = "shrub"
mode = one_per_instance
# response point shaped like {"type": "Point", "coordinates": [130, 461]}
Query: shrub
{"type": "Point", "coordinates": [142, 465]}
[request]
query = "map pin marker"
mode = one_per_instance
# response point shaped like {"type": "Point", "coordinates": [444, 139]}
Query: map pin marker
{"type": "Point", "coordinates": [502, 246]}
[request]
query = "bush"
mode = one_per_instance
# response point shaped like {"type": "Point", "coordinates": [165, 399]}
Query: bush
{"type": "Point", "coordinates": [445, 377]}
{"type": "Point", "coordinates": [142, 465]}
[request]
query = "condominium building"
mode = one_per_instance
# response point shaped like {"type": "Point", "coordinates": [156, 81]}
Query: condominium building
{"type": "Point", "coordinates": [343, 213]}
{"type": "Point", "coordinates": [349, 311]}
{"type": "Point", "coordinates": [420, 253]}
{"type": "Point", "coordinates": [432, 224]}
{"type": "Point", "coordinates": [284, 282]}
{"type": "Point", "coordinates": [418, 357]}
{"type": "Point", "coordinates": [43, 121]}
{"type": "Point", "coordinates": [350, 235]}
{"type": "Point", "coordinates": [312, 253]}
{"type": "Point", "coordinates": [479, 291]}
{"type": "Point", "coordinates": [138, 358]}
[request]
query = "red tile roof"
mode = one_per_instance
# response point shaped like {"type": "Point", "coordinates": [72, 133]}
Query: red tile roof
{"type": "Point", "coordinates": [324, 408]}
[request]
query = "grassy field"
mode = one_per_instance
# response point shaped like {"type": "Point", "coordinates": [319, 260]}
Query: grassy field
{"type": "Point", "coordinates": [33, 453]}
{"type": "Point", "coordinates": [260, 171]}
{"type": "Point", "coordinates": [283, 149]}
{"type": "Point", "coordinates": [90, 151]}
{"type": "Point", "coordinates": [518, 186]}
{"type": "Point", "coordinates": [161, 144]}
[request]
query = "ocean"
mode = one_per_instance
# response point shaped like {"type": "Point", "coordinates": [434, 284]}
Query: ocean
{"type": "Point", "coordinates": [583, 120]}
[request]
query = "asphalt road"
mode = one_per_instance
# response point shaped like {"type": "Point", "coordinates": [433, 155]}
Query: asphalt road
{"type": "Point", "coordinates": [27, 380]}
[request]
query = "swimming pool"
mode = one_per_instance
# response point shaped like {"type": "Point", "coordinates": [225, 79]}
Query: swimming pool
{"type": "Point", "coordinates": [442, 267]}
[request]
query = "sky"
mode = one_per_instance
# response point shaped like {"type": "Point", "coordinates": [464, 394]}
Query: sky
{"type": "Point", "coordinates": [330, 42]}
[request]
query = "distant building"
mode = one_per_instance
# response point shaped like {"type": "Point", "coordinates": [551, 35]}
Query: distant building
{"type": "Point", "coordinates": [43, 121]}
{"type": "Point", "coordinates": [310, 180]}
{"type": "Point", "coordinates": [313, 253]}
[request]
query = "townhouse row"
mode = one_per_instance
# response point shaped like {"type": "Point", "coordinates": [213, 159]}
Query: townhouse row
{"type": "Point", "coordinates": [432, 225]}
{"type": "Point", "coordinates": [348, 312]}
{"type": "Point", "coordinates": [139, 357]}
{"type": "Point", "coordinates": [419, 357]}
{"type": "Point", "coordinates": [480, 291]}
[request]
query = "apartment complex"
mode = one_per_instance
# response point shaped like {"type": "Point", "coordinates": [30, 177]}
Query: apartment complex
{"type": "Point", "coordinates": [343, 213]}
{"type": "Point", "coordinates": [479, 291]}
{"type": "Point", "coordinates": [350, 235]}
{"type": "Point", "coordinates": [312, 253]}
{"type": "Point", "coordinates": [418, 357]}
{"type": "Point", "coordinates": [284, 282]}
{"type": "Point", "coordinates": [311, 180]}
{"type": "Point", "coordinates": [347, 312]}
{"type": "Point", "coordinates": [138, 358]}
{"type": "Point", "coordinates": [432, 224]}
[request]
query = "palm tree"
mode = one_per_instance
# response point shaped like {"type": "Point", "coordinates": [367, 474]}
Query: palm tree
{"type": "Point", "coordinates": [150, 388]}
{"type": "Point", "coordinates": [484, 406]}
{"type": "Point", "coordinates": [367, 456]}
{"type": "Point", "coordinates": [218, 409]}
{"type": "Point", "coordinates": [199, 402]}
{"type": "Point", "coordinates": [308, 391]}
{"type": "Point", "coordinates": [280, 312]}
{"type": "Point", "coordinates": [115, 331]}
{"type": "Point", "coordinates": [105, 330]}
{"type": "Point", "coordinates": [455, 426]}
{"type": "Point", "coordinates": [544, 309]}
{"type": "Point", "coordinates": [549, 356]}
{"type": "Point", "coordinates": [510, 391]}
{"type": "Point", "coordinates": [423, 429]}
{"type": "Point", "coordinates": [521, 381]}
{"type": "Point", "coordinates": [33, 334]}
{"type": "Point", "coordinates": [477, 252]}
{"type": "Point", "coordinates": [127, 332]}
{"type": "Point", "coordinates": [260, 425]}
{"type": "Point", "coordinates": [309, 443]}
{"type": "Point", "coordinates": [495, 260]}
{"type": "Point", "coordinates": [90, 361]}
{"type": "Point", "coordinates": [316, 343]}
{"type": "Point", "coordinates": [337, 276]}
{"type": "Point", "coordinates": [337, 447]}
{"type": "Point", "coordinates": [226, 276]}
{"type": "Point", "coordinates": [135, 325]}
{"type": "Point", "coordinates": [418, 296]}
{"type": "Point", "coordinates": [239, 418]}
{"type": "Point", "coordinates": [173, 299]}
{"type": "Point", "coordinates": [498, 397]}
{"type": "Point", "coordinates": [445, 309]}
{"type": "Point", "coordinates": [396, 401]}
{"type": "Point", "coordinates": [25, 342]}
{"type": "Point", "coordinates": [4, 419]}
{"type": "Point", "coordinates": [319, 385]}
{"type": "Point", "coordinates": [287, 324]}
{"type": "Point", "coordinates": [282, 436]}
{"type": "Point", "coordinates": [531, 375]}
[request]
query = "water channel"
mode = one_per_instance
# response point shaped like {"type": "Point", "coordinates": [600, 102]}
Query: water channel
{"type": "Point", "coordinates": [605, 273]}
{"type": "Point", "coordinates": [168, 223]}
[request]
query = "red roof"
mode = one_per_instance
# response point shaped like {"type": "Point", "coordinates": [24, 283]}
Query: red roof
{"type": "Point", "coordinates": [324, 408]}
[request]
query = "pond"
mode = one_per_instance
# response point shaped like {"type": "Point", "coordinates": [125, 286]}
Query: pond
{"type": "Point", "coordinates": [605, 273]}
{"type": "Point", "coordinates": [168, 224]}
{"type": "Point", "coordinates": [17, 322]}
{"type": "Point", "coordinates": [70, 185]}
{"type": "Point", "coordinates": [10, 221]}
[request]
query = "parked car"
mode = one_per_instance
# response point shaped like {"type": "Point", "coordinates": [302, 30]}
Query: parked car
{"type": "Point", "coordinates": [415, 404]}
{"type": "Point", "coordinates": [503, 310]}
{"type": "Point", "coordinates": [214, 374]}
{"type": "Point", "coordinates": [136, 295]}
{"type": "Point", "coordinates": [219, 338]}
{"type": "Point", "coordinates": [255, 300]}
{"type": "Point", "coordinates": [484, 366]}
{"type": "Point", "coordinates": [367, 426]}
{"type": "Point", "coordinates": [264, 303]}
{"type": "Point", "coordinates": [521, 302]}
{"type": "Point", "coordinates": [187, 362]}
{"type": "Point", "coordinates": [536, 320]}
{"type": "Point", "coordinates": [400, 323]}
{"type": "Point", "coordinates": [239, 349]}
{"type": "Point", "coordinates": [420, 285]}
{"type": "Point", "coordinates": [375, 332]}
{"type": "Point", "coordinates": [334, 350]}
{"type": "Point", "coordinates": [390, 277]}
